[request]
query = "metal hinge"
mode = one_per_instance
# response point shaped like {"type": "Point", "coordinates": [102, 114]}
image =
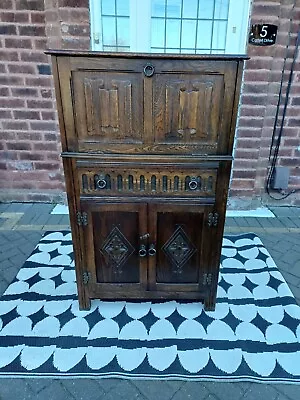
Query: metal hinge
{"type": "Point", "coordinates": [207, 279]}
{"type": "Point", "coordinates": [82, 218]}
{"type": "Point", "coordinates": [85, 277]}
{"type": "Point", "coordinates": [213, 219]}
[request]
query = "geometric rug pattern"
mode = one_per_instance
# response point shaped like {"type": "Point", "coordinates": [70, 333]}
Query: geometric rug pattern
{"type": "Point", "coordinates": [254, 333]}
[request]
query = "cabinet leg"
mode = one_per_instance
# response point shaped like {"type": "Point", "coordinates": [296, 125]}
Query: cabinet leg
{"type": "Point", "coordinates": [210, 303]}
{"type": "Point", "coordinates": [84, 303]}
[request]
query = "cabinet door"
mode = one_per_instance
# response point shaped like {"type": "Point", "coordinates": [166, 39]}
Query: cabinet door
{"type": "Point", "coordinates": [182, 240]}
{"type": "Point", "coordinates": [112, 243]}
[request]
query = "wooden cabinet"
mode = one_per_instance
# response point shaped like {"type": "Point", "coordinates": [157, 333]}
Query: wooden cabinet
{"type": "Point", "coordinates": [147, 142]}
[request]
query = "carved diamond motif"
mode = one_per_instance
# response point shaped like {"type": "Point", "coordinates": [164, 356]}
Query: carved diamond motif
{"type": "Point", "coordinates": [179, 249]}
{"type": "Point", "coordinates": [117, 248]}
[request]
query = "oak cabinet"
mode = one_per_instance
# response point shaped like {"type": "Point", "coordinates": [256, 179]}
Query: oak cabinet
{"type": "Point", "coordinates": [147, 150]}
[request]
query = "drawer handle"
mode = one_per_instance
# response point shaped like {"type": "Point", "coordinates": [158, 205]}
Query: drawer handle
{"type": "Point", "coordinates": [149, 70]}
{"type": "Point", "coordinates": [152, 250]}
{"type": "Point", "coordinates": [142, 251]}
{"type": "Point", "coordinates": [193, 184]}
{"type": "Point", "coordinates": [101, 183]}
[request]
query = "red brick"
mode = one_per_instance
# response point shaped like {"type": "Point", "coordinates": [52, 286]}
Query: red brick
{"type": "Point", "coordinates": [74, 15]}
{"type": "Point", "coordinates": [9, 155]}
{"type": "Point", "coordinates": [76, 30]}
{"type": "Point", "coordinates": [294, 122]}
{"type": "Point", "coordinates": [3, 69]}
{"type": "Point", "coordinates": [48, 115]}
{"type": "Point", "coordinates": [259, 87]}
{"type": "Point", "coordinates": [18, 43]}
{"type": "Point", "coordinates": [34, 57]}
{"type": "Point", "coordinates": [12, 103]}
{"type": "Point", "coordinates": [30, 5]}
{"type": "Point", "coordinates": [46, 93]}
{"type": "Point", "coordinates": [38, 81]}
{"type": "Point", "coordinates": [43, 125]}
{"type": "Point", "coordinates": [74, 3]}
{"type": "Point", "coordinates": [31, 156]}
{"type": "Point", "coordinates": [21, 17]}
{"type": "Point", "coordinates": [21, 69]}
{"type": "Point", "coordinates": [18, 146]}
{"type": "Point", "coordinates": [6, 4]}
{"type": "Point", "coordinates": [5, 114]}
{"type": "Point", "coordinates": [24, 114]}
{"type": "Point", "coordinates": [40, 103]}
{"type": "Point", "coordinates": [289, 162]}
{"type": "Point", "coordinates": [256, 76]}
{"type": "Point", "coordinates": [8, 30]}
{"type": "Point", "coordinates": [40, 44]}
{"type": "Point", "coordinates": [8, 55]}
{"type": "Point", "coordinates": [295, 101]}
{"type": "Point", "coordinates": [244, 174]}
{"type": "Point", "coordinates": [14, 125]}
{"type": "Point", "coordinates": [24, 92]}
{"type": "Point", "coordinates": [251, 122]}
{"type": "Point", "coordinates": [243, 184]}
{"type": "Point", "coordinates": [45, 165]}
{"type": "Point", "coordinates": [50, 137]}
{"type": "Point", "coordinates": [11, 80]}
{"type": "Point", "coordinates": [36, 136]}
{"type": "Point", "coordinates": [45, 146]}
{"type": "Point", "coordinates": [37, 18]}
{"type": "Point", "coordinates": [4, 91]}
{"type": "Point", "coordinates": [254, 100]}
{"type": "Point", "coordinates": [32, 30]}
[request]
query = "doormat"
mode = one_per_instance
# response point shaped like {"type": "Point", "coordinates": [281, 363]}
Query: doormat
{"type": "Point", "coordinates": [253, 335]}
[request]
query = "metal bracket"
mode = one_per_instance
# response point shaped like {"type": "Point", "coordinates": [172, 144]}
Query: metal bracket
{"type": "Point", "coordinates": [207, 279]}
{"type": "Point", "coordinates": [82, 218]}
{"type": "Point", "coordinates": [213, 219]}
{"type": "Point", "coordinates": [85, 277]}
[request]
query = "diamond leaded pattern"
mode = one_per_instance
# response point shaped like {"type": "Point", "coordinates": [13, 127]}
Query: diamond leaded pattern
{"type": "Point", "coordinates": [117, 248]}
{"type": "Point", "coordinates": [179, 249]}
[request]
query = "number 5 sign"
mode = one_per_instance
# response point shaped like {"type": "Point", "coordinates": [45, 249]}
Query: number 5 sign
{"type": "Point", "coordinates": [263, 35]}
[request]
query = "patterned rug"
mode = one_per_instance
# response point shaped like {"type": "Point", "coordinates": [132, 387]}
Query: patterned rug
{"type": "Point", "coordinates": [253, 335]}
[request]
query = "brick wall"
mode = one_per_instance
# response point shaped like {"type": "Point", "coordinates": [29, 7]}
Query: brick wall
{"type": "Point", "coordinates": [30, 167]}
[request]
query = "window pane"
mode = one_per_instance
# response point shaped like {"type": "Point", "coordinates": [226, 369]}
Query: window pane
{"type": "Point", "coordinates": [188, 38]}
{"type": "Point", "coordinates": [176, 51]}
{"type": "Point", "coordinates": [174, 8]}
{"type": "Point", "coordinates": [157, 32]}
{"type": "Point", "coordinates": [173, 33]}
{"type": "Point", "coordinates": [108, 7]}
{"type": "Point", "coordinates": [219, 35]}
{"type": "Point", "coordinates": [155, 50]}
{"type": "Point", "coordinates": [206, 9]}
{"type": "Point", "coordinates": [158, 8]}
{"type": "Point", "coordinates": [190, 8]}
{"type": "Point", "coordinates": [221, 9]}
{"type": "Point", "coordinates": [109, 31]}
{"type": "Point", "coordinates": [122, 7]}
{"type": "Point", "coordinates": [204, 34]}
{"type": "Point", "coordinates": [123, 31]}
{"type": "Point", "coordinates": [188, 51]}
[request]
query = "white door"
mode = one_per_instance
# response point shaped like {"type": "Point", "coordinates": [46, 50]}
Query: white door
{"type": "Point", "coordinates": [170, 26]}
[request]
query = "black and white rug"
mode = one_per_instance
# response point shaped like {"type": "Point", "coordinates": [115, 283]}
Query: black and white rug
{"type": "Point", "coordinates": [254, 333]}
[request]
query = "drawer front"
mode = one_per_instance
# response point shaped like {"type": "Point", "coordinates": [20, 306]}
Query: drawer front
{"type": "Point", "coordinates": [161, 181]}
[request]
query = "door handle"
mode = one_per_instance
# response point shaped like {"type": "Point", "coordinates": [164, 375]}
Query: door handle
{"type": "Point", "coordinates": [142, 251]}
{"type": "Point", "coordinates": [149, 70]}
{"type": "Point", "coordinates": [152, 250]}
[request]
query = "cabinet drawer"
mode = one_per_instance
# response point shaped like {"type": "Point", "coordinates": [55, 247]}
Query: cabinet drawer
{"type": "Point", "coordinates": [165, 180]}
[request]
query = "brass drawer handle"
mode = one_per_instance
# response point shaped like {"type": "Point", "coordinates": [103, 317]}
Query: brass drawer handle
{"type": "Point", "coordinates": [149, 70]}
{"type": "Point", "coordinates": [193, 184]}
{"type": "Point", "coordinates": [101, 183]}
{"type": "Point", "coordinates": [142, 251]}
{"type": "Point", "coordinates": [152, 250]}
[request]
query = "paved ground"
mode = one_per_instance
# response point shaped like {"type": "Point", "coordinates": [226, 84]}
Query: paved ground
{"type": "Point", "coordinates": [22, 225]}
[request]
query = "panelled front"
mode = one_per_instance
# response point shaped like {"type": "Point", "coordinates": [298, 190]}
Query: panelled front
{"type": "Point", "coordinates": [181, 236]}
{"type": "Point", "coordinates": [185, 106]}
{"type": "Point", "coordinates": [111, 243]}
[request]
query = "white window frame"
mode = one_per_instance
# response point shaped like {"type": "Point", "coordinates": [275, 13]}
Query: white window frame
{"type": "Point", "coordinates": [140, 26]}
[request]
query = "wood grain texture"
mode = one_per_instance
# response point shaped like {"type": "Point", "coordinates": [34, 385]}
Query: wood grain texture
{"type": "Point", "coordinates": [148, 160]}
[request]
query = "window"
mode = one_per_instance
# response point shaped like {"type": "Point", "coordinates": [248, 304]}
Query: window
{"type": "Point", "coordinates": [170, 26]}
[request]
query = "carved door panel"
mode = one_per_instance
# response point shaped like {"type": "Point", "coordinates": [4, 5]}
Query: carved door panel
{"type": "Point", "coordinates": [192, 106]}
{"type": "Point", "coordinates": [112, 243]}
{"type": "Point", "coordinates": [181, 237]}
{"type": "Point", "coordinates": [108, 108]}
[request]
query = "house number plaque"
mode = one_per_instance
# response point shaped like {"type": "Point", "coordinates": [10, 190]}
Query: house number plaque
{"type": "Point", "coordinates": [263, 35]}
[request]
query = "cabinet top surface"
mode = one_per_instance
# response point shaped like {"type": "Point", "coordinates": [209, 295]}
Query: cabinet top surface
{"type": "Point", "coordinates": [86, 53]}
